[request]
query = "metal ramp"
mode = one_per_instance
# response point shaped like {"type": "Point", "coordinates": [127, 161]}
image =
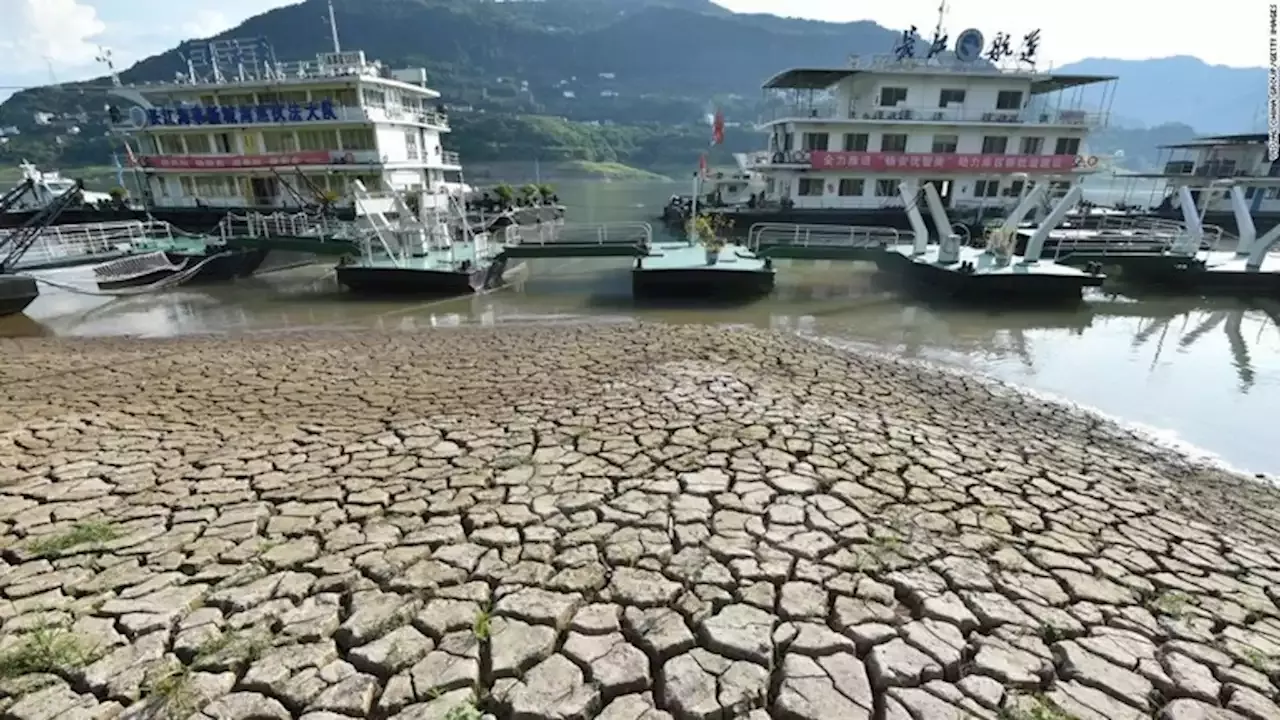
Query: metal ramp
{"type": "Point", "coordinates": [296, 232]}
{"type": "Point", "coordinates": [822, 242]}
{"type": "Point", "coordinates": [554, 240]}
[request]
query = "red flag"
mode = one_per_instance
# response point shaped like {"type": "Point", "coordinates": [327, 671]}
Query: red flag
{"type": "Point", "coordinates": [702, 165]}
{"type": "Point", "coordinates": [717, 129]}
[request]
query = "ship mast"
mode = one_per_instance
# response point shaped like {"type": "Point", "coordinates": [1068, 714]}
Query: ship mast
{"type": "Point", "coordinates": [333, 28]}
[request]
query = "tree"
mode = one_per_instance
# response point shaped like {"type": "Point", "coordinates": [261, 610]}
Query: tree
{"type": "Point", "coordinates": [506, 195]}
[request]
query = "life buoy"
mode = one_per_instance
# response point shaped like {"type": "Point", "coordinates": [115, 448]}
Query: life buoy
{"type": "Point", "coordinates": [1092, 161]}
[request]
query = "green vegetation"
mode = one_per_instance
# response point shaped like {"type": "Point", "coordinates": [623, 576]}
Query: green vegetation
{"type": "Point", "coordinates": [80, 534]}
{"type": "Point", "coordinates": [611, 88]}
{"type": "Point", "coordinates": [47, 650]}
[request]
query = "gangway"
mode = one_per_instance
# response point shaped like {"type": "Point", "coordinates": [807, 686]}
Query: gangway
{"type": "Point", "coordinates": [822, 242]}
{"type": "Point", "coordinates": [553, 240]}
{"type": "Point", "coordinates": [68, 245]}
{"type": "Point", "coordinates": [297, 232]}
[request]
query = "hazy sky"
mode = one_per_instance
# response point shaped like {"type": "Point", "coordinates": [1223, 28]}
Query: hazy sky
{"type": "Point", "coordinates": [42, 40]}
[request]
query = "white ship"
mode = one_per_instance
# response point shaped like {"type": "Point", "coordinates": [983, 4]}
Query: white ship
{"type": "Point", "coordinates": [983, 125]}
{"type": "Point", "coordinates": [1209, 166]}
{"type": "Point", "coordinates": [37, 189]}
{"type": "Point", "coordinates": [241, 130]}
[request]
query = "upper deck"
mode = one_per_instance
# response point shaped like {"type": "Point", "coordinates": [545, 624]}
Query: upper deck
{"type": "Point", "coordinates": [336, 87]}
{"type": "Point", "coordinates": [883, 89]}
{"type": "Point", "coordinates": [1218, 157]}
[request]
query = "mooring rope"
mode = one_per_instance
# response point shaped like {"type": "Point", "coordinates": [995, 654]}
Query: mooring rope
{"type": "Point", "coordinates": [169, 282]}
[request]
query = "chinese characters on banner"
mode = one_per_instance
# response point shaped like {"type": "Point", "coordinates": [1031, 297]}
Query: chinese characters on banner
{"type": "Point", "coordinates": [944, 162]}
{"type": "Point", "coordinates": [242, 115]}
{"type": "Point", "coordinates": [229, 162]}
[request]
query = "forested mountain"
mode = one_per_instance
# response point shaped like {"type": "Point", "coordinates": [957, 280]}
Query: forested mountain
{"type": "Point", "coordinates": [629, 81]}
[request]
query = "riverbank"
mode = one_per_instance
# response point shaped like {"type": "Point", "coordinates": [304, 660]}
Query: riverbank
{"type": "Point", "coordinates": [587, 521]}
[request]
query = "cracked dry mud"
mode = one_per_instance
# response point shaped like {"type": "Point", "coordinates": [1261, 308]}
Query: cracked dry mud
{"type": "Point", "coordinates": [619, 522]}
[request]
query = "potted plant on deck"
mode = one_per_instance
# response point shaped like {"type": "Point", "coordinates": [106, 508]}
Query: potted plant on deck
{"type": "Point", "coordinates": [711, 232]}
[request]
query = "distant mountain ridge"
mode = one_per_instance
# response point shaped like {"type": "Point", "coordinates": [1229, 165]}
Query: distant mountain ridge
{"type": "Point", "coordinates": [1213, 99]}
{"type": "Point", "coordinates": [632, 63]}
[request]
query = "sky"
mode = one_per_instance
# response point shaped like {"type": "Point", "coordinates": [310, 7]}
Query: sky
{"type": "Point", "coordinates": [46, 40]}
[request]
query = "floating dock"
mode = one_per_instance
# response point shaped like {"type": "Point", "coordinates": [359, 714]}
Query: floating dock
{"type": "Point", "coordinates": [686, 269]}
{"type": "Point", "coordinates": [1186, 257]}
{"type": "Point", "coordinates": [987, 274]}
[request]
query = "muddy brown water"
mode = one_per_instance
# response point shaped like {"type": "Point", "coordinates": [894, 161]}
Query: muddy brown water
{"type": "Point", "coordinates": [1202, 374]}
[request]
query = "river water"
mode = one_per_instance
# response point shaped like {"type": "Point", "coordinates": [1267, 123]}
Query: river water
{"type": "Point", "coordinates": [1204, 375]}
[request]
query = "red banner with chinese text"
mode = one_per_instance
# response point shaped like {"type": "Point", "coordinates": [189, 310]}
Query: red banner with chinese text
{"type": "Point", "coordinates": [940, 162]}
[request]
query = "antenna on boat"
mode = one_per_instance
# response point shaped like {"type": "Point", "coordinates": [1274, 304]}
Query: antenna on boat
{"type": "Point", "coordinates": [104, 57]}
{"type": "Point", "coordinates": [942, 13]}
{"type": "Point", "coordinates": [333, 28]}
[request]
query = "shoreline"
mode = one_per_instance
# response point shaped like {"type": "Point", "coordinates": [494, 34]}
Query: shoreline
{"type": "Point", "coordinates": [620, 521]}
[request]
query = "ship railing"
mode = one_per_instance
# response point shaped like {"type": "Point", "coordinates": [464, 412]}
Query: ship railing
{"type": "Point", "coordinates": [875, 113]}
{"type": "Point", "coordinates": [824, 236]}
{"type": "Point", "coordinates": [1114, 235]}
{"type": "Point", "coordinates": [281, 224]}
{"type": "Point", "coordinates": [68, 243]}
{"type": "Point", "coordinates": [555, 233]}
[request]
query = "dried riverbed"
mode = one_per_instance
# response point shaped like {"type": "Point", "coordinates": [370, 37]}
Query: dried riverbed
{"type": "Point", "coordinates": [616, 522]}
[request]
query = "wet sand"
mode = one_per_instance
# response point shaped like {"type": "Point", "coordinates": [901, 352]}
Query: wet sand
{"type": "Point", "coordinates": [629, 522]}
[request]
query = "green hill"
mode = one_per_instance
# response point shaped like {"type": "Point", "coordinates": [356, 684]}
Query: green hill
{"type": "Point", "coordinates": [603, 81]}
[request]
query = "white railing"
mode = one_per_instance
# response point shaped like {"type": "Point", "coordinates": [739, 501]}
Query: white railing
{"type": "Point", "coordinates": [449, 157]}
{"type": "Point", "coordinates": [824, 236]}
{"type": "Point", "coordinates": [1121, 234]}
{"type": "Point", "coordinates": [621, 233]}
{"type": "Point", "coordinates": [870, 113]}
{"type": "Point", "coordinates": [69, 243]}
{"type": "Point", "coordinates": [293, 225]}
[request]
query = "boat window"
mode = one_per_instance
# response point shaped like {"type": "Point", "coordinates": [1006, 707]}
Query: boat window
{"type": "Point", "coordinates": [279, 141]}
{"type": "Point", "coordinates": [893, 142]}
{"type": "Point", "coordinates": [1067, 146]}
{"type": "Point", "coordinates": [197, 143]}
{"type": "Point", "coordinates": [815, 141]}
{"type": "Point", "coordinates": [1031, 146]}
{"type": "Point", "coordinates": [172, 145]}
{"type": "Point", "coordinates": [951, 97]}
{"type": "Point", "coordinates": [856, 142]}
{"type": "Point", "coordinates": [886, 188]}
{"type": "Point", "coordinates": [269, 98]}
{"type": "Point", "coordinates": [945, 143]}
{"type": "Point", "coordinates": [892, 96]}
{"type": "Point", "coordinates": [358, 139]}
{"type": "Point", "coordinates": [850, 187]}
{"type": "Point", "coordinates": [1014, 189]}
{"type": "Point", "coordinates": [346, 97]}
{"type": "Point", "coordinates": [986, 188]}
{"type": "Point", "coordinates": [1009, 100]}
{"type": "Point", "coordinates": [810, 187]}
{"type": "Point", "coordinates": [317, 139]}
{"type": "Point", "coordinates": [222, 143]}
{"type": "Point", "coordinates": [411, 143]}
{"type": "Point", "coordinates": [994, 145]}
{"type": "Point", "coordinates": [374, 98]}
